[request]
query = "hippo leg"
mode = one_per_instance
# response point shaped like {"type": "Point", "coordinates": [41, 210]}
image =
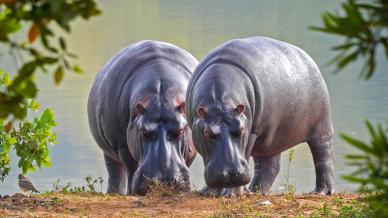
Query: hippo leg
{"type": "Point", "coordinates": [323, 157]}
{"type": "Point", "coordinates": [117, 176]}
{"type": "Point", "coordinates": [266, 170]}
{"type": "Point", "coordinates": [217, 192]}
{"type": "Point", "coordinates": [130, 166]}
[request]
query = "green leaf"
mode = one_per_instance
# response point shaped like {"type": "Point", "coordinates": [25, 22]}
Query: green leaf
{"type": "Point", "coordinates": [345, 60]}
{"type": "Point", "coordinates": [355, 179]}
{"type": "Point", "coordinates": [49, 60]}
{"type": "Point", "coordinates": [355, 157]}
{"type": "Point", "coordinates": [34, 105]}
{"type": "Point", "coordinates": [28, 68]}
{"type": "Point", "coordinates": [62, 43]}
{"type": "Point", "coordinates": [77, 68]}
{"type": "Point", "coordinates": [370, 129]}
{"type": "Point", "coordinates": [6, 80]}
{"type": "Point", "coordinates": [356, 143]}
{"type": "Point", "coordinates": [58, 75]}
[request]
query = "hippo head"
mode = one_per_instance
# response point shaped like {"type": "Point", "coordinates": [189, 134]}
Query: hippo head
{"type": "Point", "coordinates": [163, 146]}
{"type": "Point", "coordinates": [220, 135]}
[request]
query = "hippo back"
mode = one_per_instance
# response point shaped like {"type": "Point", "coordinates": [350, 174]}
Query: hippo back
{"type": "Point", "coordinates": [289, 90]}
{"type": "Point", "coordinates": [108, 104]}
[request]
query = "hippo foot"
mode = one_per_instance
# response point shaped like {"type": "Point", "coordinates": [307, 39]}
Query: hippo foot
{"type": "Point", "coordinates": [261, 189]}
{"type": "Point", "coordinates": [324, 180]}
{"type": "Point", "coordinates": [225, 192]}
{"type": "Point", "coordinates": [325, 186]}
{"type": "Point", "coordinates": [323, 191]}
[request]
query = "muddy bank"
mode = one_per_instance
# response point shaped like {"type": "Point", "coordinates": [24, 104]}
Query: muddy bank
{"type": "Point", "coordinates": [168, 204]}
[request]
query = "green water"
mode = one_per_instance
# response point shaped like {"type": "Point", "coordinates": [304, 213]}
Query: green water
{"type": "Point", "coordinates": [199, 26]}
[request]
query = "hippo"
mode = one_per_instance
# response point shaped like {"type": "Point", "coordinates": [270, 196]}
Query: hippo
{"type": "Point", "coordinates": [258, 97]}
{"type": "Point", "coordinates": [136, 111]}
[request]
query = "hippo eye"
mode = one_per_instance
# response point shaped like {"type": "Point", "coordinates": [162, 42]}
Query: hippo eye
{"type": "Point", "coordinates": [177, 134]}
{"type": "Point", "coordinates": [211, 135]}
{"type": "Point", "coordinates": [147, 134]}
{"type": "Point", "coordinates": [237, 133]}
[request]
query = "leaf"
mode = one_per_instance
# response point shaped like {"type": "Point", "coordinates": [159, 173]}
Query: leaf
{"type": "Point", "coordinates": [356, 143]}
{"type": "Point", "coordinates": [58, 75]}
{"type": "Point", "coordinates": [372, 132]}
{"type": "Point", "coordinates": [8, 127]}
{"type": "Point", "coordinates": [385, 44]}
{"type": "Point", "coordinates": [29, 89]}
{"type": "Point", "coordinates": [77, 68]}
{"type": "Point", "coordinates": [371, 63]}
{"type": "Point", "coordinates": [34, 105]}
{"type": "Point", "coordinates": [344, 46]}
{"type": "Point", "coordinates": [355, 179]}
{"type": "Point", "coordinates": [355, 157]}
{"type": "Point", "coordinates": [6, 80]}
{"type": "Point", "coordinates": [345, 60]}
{"type": "Point", "coordinates": [49, 60]}
{"type": "Point", "coordinates": [28, 69]}
{"type": "Point", "coordinates": [62, 43]}
{"type": "Point", "coordinates": [33, 33]}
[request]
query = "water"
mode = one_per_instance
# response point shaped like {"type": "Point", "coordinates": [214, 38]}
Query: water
{"type": "Point", "coordinates": [199, 26]}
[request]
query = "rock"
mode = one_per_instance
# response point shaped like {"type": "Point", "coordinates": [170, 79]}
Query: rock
{"type": "Point", "coordinates": [266, 202]}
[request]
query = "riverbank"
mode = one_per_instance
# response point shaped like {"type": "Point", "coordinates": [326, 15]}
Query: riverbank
{"type": "Point", "coordinates": [168, 204]}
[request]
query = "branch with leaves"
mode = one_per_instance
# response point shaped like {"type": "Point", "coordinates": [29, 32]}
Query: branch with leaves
{"type": "Point", "coordinates": [371, 165]}
{"type": "Point", "coordinates": [44, 48]}
{"type": "Point", "coordinates": [51, 54]}
{"type": "Point", "coordinates": [30, 139]}
{"type": "Point", "coordinates": [364, 26]}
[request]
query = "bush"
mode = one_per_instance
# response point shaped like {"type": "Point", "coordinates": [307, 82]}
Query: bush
{"type": "Point", "coordinates": [371, 166]}
{"type": "Point", "coordinates": [30, 138]}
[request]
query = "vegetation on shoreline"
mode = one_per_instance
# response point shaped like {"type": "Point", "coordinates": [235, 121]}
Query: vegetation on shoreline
{"type": "Point", "coordinates": [164, 201]}
{"type": "Point", "coordinates": [169, 203]}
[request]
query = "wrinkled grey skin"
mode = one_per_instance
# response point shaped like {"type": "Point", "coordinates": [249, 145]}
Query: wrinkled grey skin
{"type": "Point", "coordinates": [258, 97]}
{"type": "Point", "coordinates": [136, 115]}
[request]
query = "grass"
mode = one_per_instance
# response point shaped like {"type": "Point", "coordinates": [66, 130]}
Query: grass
{"type": "Point", "coordinates": [165, 201]}
{"type": "Point", "coordinates": [90, 187]}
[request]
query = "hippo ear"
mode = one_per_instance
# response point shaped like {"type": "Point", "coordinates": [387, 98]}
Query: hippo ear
{"type": "Point", "coordinates": [140, 108]}
{"type": "Point", "coordinates": [181, 108]}
{"type": "Point", "coordinates": [202, 112]}
{"type": "Point", "coordinates": [240, 109]}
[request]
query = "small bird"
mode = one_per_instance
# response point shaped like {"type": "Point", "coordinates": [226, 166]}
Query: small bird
{"type": "Point", "coordinates": [26, 185]}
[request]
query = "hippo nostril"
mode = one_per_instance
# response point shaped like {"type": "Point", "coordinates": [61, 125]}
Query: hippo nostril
{"type": "Point", "coordinates": [224, 176]}
{"type": "Point", "coordinates": [239, 172]}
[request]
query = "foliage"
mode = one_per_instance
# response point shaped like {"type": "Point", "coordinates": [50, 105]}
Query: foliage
{"type": "Point", "coordinates": [69, 188]}
{"type": "Point", "coordinates": [288, 185]}
{"type": "Point", "coordinates": [91, 182]}
{"type": "Point", "coordinates": [358, 208]}
{"type": "Point", "coordinates": [372, 166]}
{"type": "Point", "coordinates": [30, 138]}
{"type": "Point", "coordinates": [47, 20]}
{"type": "Point", "coordinates": [365, 26]}
{"type": "Point", "coordinates": [39, 16]}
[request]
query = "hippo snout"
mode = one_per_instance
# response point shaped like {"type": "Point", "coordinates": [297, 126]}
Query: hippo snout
{"type": "Point", "coordinates": [227, 176]}
{"type": "Point", "coordinates": [144, 181]}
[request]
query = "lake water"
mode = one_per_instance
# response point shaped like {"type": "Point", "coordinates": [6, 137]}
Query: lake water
{"type": "Point", "coordinates": [199, 26]}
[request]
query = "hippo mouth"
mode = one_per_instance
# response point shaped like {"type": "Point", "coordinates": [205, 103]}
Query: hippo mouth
{"type": "Point", "coordinates": [227, 183]}
{"type": "Point", "coordinates": [215, 179]}
{"type": "Point", "coordinates": [144, 184]}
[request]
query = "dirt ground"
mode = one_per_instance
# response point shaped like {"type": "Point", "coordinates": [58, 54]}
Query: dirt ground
{"type": "Point", "coordinates": [166, 204]}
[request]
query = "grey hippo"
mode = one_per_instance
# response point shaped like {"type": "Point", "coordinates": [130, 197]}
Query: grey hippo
{"type": "Point", "coordinates": [136, 111]}
{"type": "Point", "coordinates": [258, 97]}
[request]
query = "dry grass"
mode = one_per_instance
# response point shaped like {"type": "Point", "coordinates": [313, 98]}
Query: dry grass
{"type": "Point", "coordinates": [162, 202]}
